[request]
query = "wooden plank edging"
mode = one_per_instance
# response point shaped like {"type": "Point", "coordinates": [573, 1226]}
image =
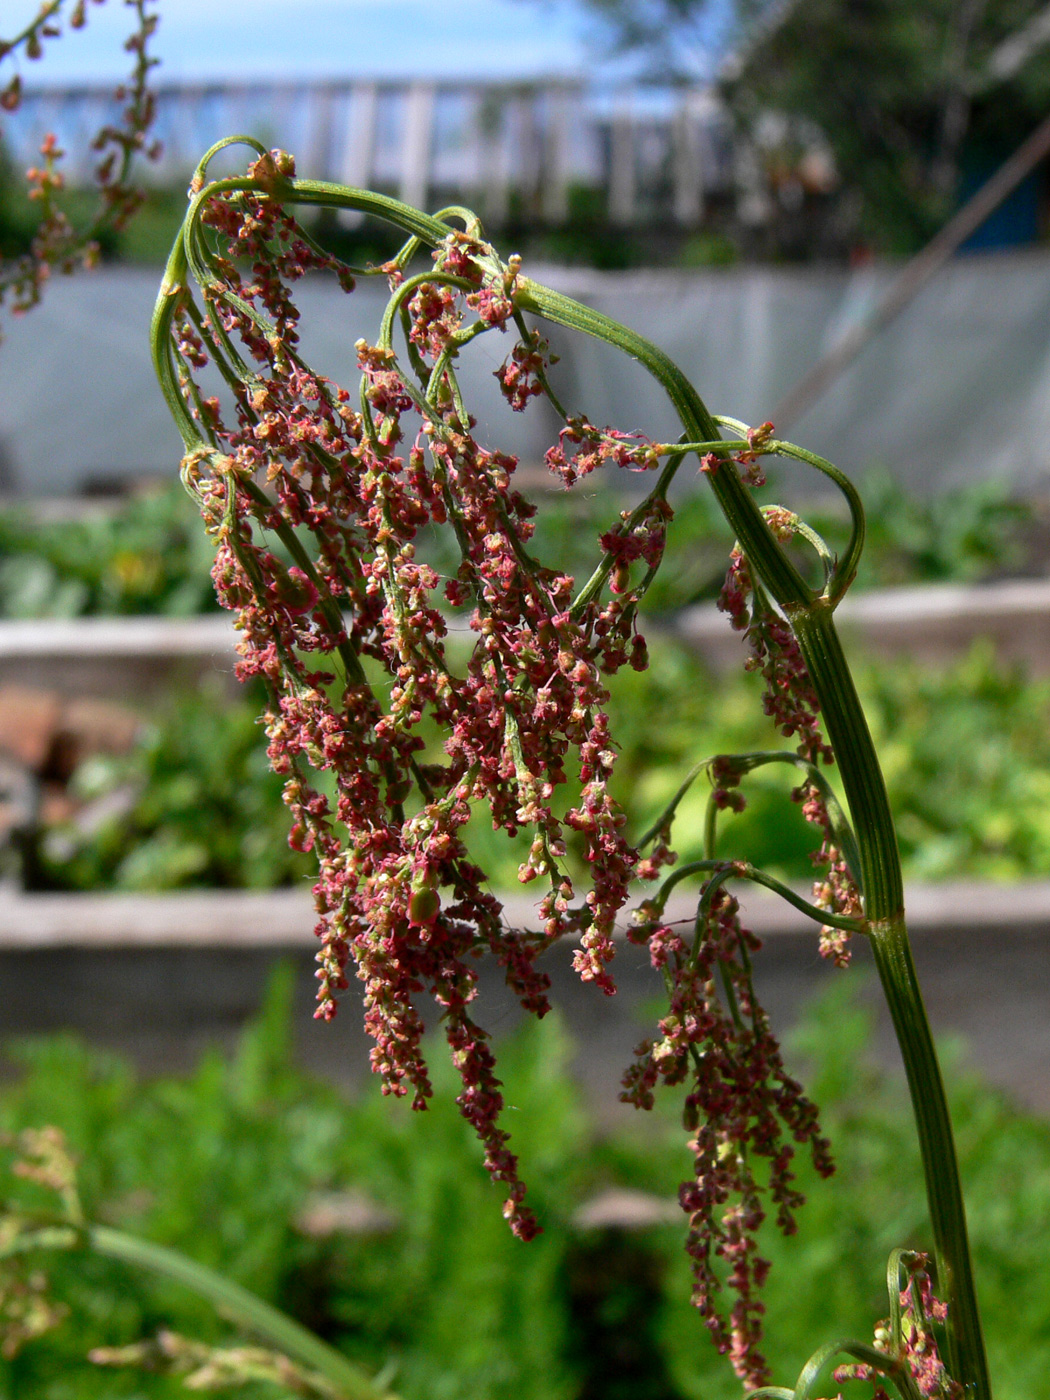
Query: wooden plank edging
{"type": "Point", "coordinates": [955, 613]}
{"type": "Point", "coordinates": [253, 919]}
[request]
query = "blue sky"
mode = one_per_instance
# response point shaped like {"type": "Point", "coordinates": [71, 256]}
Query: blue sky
{"type": "Point", "coordinates": [328, 38]}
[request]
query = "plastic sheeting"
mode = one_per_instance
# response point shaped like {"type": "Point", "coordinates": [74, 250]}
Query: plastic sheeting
{"type": "Point", "coordinates": [956, 389]}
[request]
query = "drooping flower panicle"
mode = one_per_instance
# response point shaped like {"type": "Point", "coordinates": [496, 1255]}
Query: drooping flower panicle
{"type": "Point", "coordinates": [741, 1107]}
{"type": "Point", "coordinates": [791, 702]}
{"type": "Point", "coordinates": [916, 1345]}
{"type": "Point", "coordinates": [352, 640]}
{"type": "Point", "coordinates": [403, 701]}
{"type": "Point", "coordinates": [58, 243]}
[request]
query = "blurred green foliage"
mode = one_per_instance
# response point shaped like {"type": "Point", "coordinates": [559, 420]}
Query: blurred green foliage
{"type": "Point", "coordinates": [959, 536]}
{"type": "Point", "coordinates": [963, 535]}
{"type": "Point", "coordinates": [222, 1163]}
{"type": "Point", "coordinates": [149, 554]}
{"type": "Point", "coordinates": [966, 750]}
{"type": "Point", "coordinates": [195, 803]}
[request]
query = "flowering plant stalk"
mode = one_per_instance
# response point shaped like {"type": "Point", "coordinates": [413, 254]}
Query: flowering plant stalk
{"type": "Point", "coordinates": [57, 242]}
{"type": "Point", "coordinates": [319, 502]}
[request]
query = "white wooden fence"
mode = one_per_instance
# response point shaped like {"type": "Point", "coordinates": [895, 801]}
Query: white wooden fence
{"type": "Point", "coordinates": [516, 149]}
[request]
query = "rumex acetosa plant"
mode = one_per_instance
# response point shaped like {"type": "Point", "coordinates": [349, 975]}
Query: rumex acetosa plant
{"type": "Point", "coordinates": [57, 241]}
{"type": "Point", "coordinates": [319, 497]}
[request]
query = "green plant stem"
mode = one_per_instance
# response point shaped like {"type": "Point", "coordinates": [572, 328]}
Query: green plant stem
{"type": "Point", "coordinates": [884, 906]}
{"type": "Point", "coordinates": [894, 1370]}
{"type": "Point", "coordinates": [229, 1299]}
{"type": "Point", "coordinates": [880, 867]}
{"type": "Point", "coordinates": [896, 969]}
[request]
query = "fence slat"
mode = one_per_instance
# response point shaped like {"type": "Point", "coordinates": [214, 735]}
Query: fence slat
{"type": "Point", "coordinates": [687, 163]}
{"type": "Point", "coordinates": [555, 194]}
{"type": "Point", "coordinates": [417, 143]}
{"type": "Point", "coordinates": [623, 180]}
{"type": "Point", "coordinates": [358, 153]}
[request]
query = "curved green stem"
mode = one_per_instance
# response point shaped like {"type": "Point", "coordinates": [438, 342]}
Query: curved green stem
{"type": "Point", "coordinates": [595, 583]}
{"type": "Point", "coordinates": [884, 906]}
{"type": "Point", "coordinates": [744, 870]}
{"type": "Point", "coordinates": [738, 505]}
{"type": "Point", "coordinates": [896, 968]}
{"type": "Point", "coordinates": [407, 289]}
{"type": "Point", "coordinates": [722, 447]}
{"type": "Point", "coordinates": [843, 715]}
{"type": "Point", "coordinates": [667, 815]}
{"type": "Point", "coordinates": [846, 568]}
{"type": "Point", "coordinates": [746, 763]}
{"type": "Point", "coordinates": [811, 619]}
{"type": "Point", "coordinates": [724, 870]}
{"type": "Point", "coordinates": [893, 1369]}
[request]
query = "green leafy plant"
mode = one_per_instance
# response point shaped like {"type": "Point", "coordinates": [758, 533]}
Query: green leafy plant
{"type": "Point", "coordinates": [194, 803]}
{"type": "Point", "coordinates": [965, 749]}
{"type": "Point", "coordinates": [142, 557]}
{"type": "Point", "coordinates": [147, 554]}
{"type": "Point", "coordinates": [63, 235]}
{"type": "Point", "coordinates": [960, 535]}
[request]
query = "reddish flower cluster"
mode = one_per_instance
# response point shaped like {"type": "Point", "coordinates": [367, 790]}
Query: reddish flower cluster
{"type": "Point", "coordinates": [789, 699]}
{"type": "Point", "coordinates": [349, 631]}
{"type": "Point", "coordinates": [741, 1105]}
{"type": "Point", "coordinates": [320, 513]}
{"type": "Point", "coordinates": [792, 704]}
{"type": "Point", "coordinates": [918, 1344]}
{"type": "Point", "coordinates": [836, 888]}
{"type": "Point", "coordinates": [590, 448]}
{"type": "Point", "coordinates": [53, 240]}
{"type": "Point", "coordinates": [520, 374]}
{"type": "Point", "coordinates": [56, 243]}
{"type": "Point", "coordinates": [642, 535]}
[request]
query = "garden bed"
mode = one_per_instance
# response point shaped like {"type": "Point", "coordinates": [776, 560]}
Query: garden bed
{"type": "Point", "coordinates": [132, 657]}
{"type": "Point", "coordinates": [162, 975]}
{"type": "Point", "coordinates": [119, 658]}
{"type": "Point", "coordinates": [283, 919]}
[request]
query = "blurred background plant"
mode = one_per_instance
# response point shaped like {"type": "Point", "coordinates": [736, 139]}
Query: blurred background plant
{"type": "Point", "coordinates": [146, 553]}
{"type": "Point", "coordinates": [966, 751]}
{"type": "Point", "coordinates": [377, 1227]}
{"type": "Point", "coordinates": [193, 804]}
{"type": "Point", "coordinates": [917, 104]}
